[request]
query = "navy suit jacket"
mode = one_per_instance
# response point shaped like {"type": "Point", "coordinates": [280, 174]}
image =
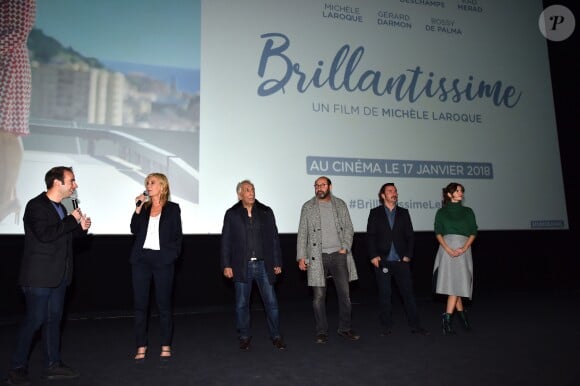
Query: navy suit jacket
{"type": "Point", "coordinates": [48, 244]}
{"type": "Point", "coordinates": [380, 236]}
{"type": "Point", "coordinates": [170, 232]}
{"type": "Point", "coordinates": [233, 240]}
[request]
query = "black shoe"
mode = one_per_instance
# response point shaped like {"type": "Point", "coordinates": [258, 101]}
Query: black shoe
{"type": "Point", "coordinates": [165, 355]}
{"type": "Point", "coordinates": [279, 343]}
{"type": "Point", "coordinates": [321, 338]}
{"type": "Point", "coordinates": [349, 334]}
{"type": "Point", "coordinates": [141, 355]}
{"type": "Point", "coordinates": [245, 343]}
{"type": "Point", "coordinates": [18, 377]}
{"type": "Point", "coordinates": [419, 331]}
{"type": "Point", "coordinates": [386, 332]}
{"type": "Point", "coordinates": [58, 371]}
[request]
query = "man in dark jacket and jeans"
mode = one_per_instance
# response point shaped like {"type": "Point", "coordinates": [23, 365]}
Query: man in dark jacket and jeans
{"type": "Point", "coordinates": [45, 272]}
{"type": "Point", "coordinates": [250, 251]}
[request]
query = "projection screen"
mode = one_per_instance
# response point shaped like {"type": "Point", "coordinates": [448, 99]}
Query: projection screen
{"type": "Point", "coordinates": [416, 92]}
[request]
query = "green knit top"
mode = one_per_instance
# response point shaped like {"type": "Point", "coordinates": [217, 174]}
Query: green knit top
{"type": "Point", "coordinates": [455, 219]}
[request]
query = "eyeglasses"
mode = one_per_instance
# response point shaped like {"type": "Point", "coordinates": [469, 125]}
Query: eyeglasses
{"type": "Point", "coordinates": [320, 185]}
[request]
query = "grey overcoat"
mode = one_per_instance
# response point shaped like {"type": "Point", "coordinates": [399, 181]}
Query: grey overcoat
{"type": "Point", "coordinates": [309, 240]}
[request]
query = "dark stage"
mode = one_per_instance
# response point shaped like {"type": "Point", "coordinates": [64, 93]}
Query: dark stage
{"type": "Point", "coordinates": [525, 313]}
{"type": "Point", "coordinates": [518, 339]}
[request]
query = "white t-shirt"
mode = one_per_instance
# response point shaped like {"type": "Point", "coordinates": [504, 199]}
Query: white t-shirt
{"type": "Point", "coordinates": [152, 237]}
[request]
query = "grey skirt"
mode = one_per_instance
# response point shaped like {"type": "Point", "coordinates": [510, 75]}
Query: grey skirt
{"type": "Point", "coordinates": [453, 275]}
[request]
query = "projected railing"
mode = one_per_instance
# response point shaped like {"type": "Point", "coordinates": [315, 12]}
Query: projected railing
{"type": "Point", "coordinates": [129, 154]}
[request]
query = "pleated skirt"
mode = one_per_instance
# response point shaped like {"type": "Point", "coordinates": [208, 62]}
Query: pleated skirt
{"type": "Point", "coordinates": [453, 275]}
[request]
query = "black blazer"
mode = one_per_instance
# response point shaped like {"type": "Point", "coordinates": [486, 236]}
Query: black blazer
{"type": "Point", "coordinates": [380, 236]}
{"type": "Point", "coordinates": [48, 244]}
{"type": "Point", "coordinates": [233, 241]}
{"type": "Point", "coordinates": [170, 233]}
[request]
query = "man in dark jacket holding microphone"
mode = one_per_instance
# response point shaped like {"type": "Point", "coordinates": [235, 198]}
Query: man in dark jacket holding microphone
{"type": "Point", "coordinates": [45, 272]}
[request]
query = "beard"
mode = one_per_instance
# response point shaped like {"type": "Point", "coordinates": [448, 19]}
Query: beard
{"type": "Point", "coordinates": [322, 194]}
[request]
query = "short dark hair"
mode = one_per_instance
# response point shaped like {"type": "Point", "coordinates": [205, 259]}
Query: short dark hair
{"type": "Point", "coordinates": [56, 173]}
{"type": "Point", "coordinates": [383, 189]}
{"type": "Point", "coordinates": [326, 178]}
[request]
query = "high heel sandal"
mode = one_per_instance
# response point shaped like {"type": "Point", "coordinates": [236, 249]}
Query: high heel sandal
{"type": "Point", "coordinates": [12, 206]}
{"type": "Point", "coordinates": [165, 350]}
{"type": "Point", "coordinates": [141, 355]}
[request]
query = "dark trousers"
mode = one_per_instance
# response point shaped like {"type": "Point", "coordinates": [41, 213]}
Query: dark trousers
{"type": "Point", "coordinates": [44, 308]}
{"type": "Point", "coordinates": [334, 266]}
{"type": "Point", "coordinates": [401, 272]}
{"type": "Point", "coordinates": [162, 275]}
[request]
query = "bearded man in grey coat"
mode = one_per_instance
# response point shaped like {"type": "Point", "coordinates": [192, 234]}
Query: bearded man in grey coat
{"type": "Point", "coordinates": [323, 248]}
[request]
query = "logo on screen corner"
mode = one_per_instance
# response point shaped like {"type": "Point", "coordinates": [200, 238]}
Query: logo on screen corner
{"type": "Point", "coordinates": [557, 23]}
{"type": "Point", "coordinates": [543, 224]}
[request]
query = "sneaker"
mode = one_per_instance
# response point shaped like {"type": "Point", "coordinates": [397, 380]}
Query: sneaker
{"type": "Point", "coordinates": [18, 377]}
{"type": "Point", "coordinates": [349, 334]}
{"type": "Point", "coordinates": [58, 371]}
{"type": "Point", "coordinates": [321, 338]}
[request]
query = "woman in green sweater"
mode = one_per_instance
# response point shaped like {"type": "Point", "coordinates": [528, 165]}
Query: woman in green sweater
{"type": "Point", "coordinates": [455, 229]}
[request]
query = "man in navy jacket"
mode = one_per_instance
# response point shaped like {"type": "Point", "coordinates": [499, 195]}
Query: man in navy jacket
{"type": "Point", "coordinates": [390, 238]}
{"type": "Point", "coordinates": [250, 251]}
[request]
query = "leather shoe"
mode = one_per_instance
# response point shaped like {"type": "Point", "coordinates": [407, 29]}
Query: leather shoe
{"type": "Point", "coordinates": [59, 371]}
{"type": "Point", "coordinates": [419, 331]}
{"type": "Point", "coordinates": [386, 332]}
{"type": "Point", "coordinates": [349, 334]}
{"type": "Point", "coordinates": [321, 338]}
{"type": "Point", "coordinates": [165, 355]}
{"type": "Point", "coordinates": [245, 343]}
{"type": "Point", "coordinates": [18, 377]}
{"type": "Point", "coordinates": [141, 355]}
{"type": "Point", "coordinates": [279, 343]}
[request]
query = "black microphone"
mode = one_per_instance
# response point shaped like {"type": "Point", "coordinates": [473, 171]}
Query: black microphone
{"type": "Point", "coordinates": [139, 202]}
{"type": "Point", "coordinates": [74, 199]}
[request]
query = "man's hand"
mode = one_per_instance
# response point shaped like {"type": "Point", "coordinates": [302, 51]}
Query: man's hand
{"type": "Point", "coordinates": [228, 272]}
{"type": "Point", "coordinates": [77, 214]}
{"type": "Point", "coordinates": [85, 223]}
{"type": "Point", "coordinates": [302, 264]}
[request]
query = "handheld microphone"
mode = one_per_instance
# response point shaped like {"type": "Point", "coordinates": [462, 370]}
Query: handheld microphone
{"type": "Point", "coordinates": [383, 266]}
{"type": "Point", "coordinates": [139, 202]}
{"type": "Point", "coordinates": [74, 199]}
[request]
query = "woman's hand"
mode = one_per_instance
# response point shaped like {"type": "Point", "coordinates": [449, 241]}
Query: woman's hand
{"type": "Point", "coordinates": [140, 199]}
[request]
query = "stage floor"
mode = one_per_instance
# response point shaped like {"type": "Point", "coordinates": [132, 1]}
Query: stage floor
{"type": "Point", "coordinates": [518, 339]}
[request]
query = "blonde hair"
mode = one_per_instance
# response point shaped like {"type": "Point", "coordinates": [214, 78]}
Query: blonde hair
{"type": "Point", "coordinates": [164, 182]}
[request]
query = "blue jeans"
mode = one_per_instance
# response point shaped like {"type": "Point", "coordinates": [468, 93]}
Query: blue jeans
{"type": "Point", "coordinates": [401, 271]}
{"type": "Point", "coordinates": [334, 265]}
{"type": "Point", "coordinates": [44, 308]}
{"type": "Point", "coordinates": [256, 272]}
{"type": "Point", "coordinates": [162, 275]}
